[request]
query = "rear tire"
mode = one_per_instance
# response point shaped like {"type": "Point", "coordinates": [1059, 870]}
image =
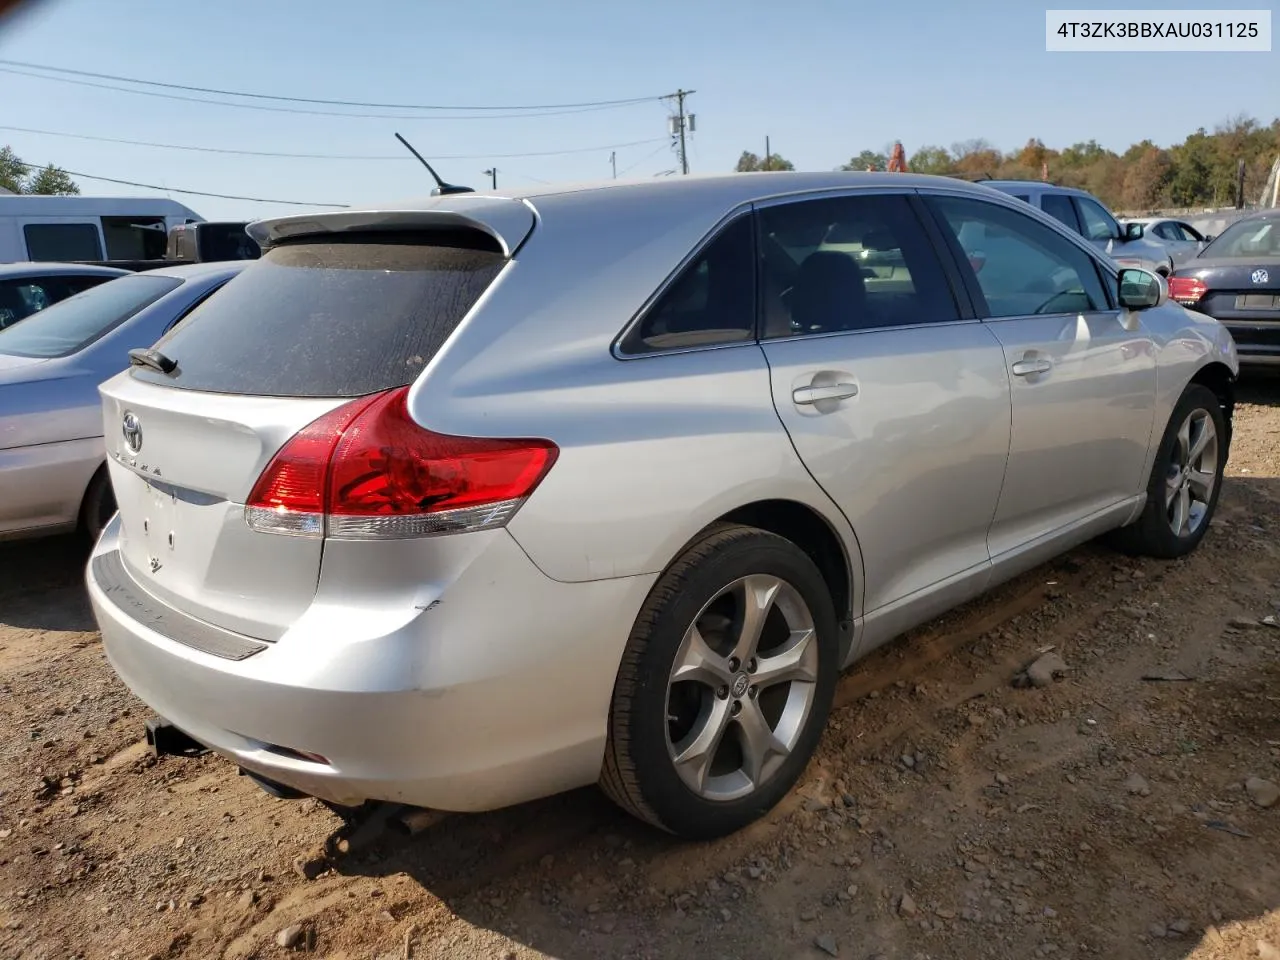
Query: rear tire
{"type": "Point", "coordinates": [709, 728]}
{"type": "Point", "coordinates": [1185, 481]}
{"type": "Point", "coordinates": [98, 506]}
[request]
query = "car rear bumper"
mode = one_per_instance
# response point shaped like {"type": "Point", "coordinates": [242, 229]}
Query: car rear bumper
{"type": "Point", "coordinates": [480, 700]}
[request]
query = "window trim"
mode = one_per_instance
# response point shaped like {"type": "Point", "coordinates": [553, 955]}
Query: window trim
{"type": "Point", "coordinates": [1106, 276]}
{"type": "Point", "coordinates": [745, 210]}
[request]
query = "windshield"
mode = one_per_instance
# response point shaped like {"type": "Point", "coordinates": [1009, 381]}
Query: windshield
{"type": "Point", "coordinates": [73, 324]}
{"type": "Point", "coordinates": [1246, 238]}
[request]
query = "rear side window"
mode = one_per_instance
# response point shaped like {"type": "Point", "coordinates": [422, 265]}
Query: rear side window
{"type": "Point", "coordinates": [711, 302]}
{"type": "Point", "coordinates": [62, 241]}
{"type": "Point", "coordinates": [327, 319]}
{"type": "Point", "coordinates": [833, 265]}
{"type": "Point", "coordinates": [1058, 206]}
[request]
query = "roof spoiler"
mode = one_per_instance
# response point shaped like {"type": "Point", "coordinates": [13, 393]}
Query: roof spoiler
{"type": "Point", "coordinates": [506, 220]}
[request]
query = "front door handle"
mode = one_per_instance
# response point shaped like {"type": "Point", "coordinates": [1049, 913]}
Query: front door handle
{"type": "Point", "coordinates": [830, 391]}
{"type": "Point", "coordinates": [1026, 368]}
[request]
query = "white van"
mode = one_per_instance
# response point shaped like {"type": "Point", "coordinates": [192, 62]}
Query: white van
{"type": "Point", "coordinates": [88, 228]}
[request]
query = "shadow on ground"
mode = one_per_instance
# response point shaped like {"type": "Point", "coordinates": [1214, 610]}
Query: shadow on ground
{"type": "Point", "coordinates": [42, 587]}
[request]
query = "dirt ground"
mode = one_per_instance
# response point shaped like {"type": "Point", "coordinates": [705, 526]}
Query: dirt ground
{"type": "Point", "coordinates": [948, 814]}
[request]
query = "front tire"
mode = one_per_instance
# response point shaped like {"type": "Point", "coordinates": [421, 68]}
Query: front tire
{"type": "Point", "coordinates": [1185, 481]}
{"type": "Point", "coordinates": [724, 687]}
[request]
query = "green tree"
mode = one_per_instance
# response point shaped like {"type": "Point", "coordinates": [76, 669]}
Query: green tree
{"type": "Point", "coordinates": [52, 181]}
{"type": "Point", "coordinates": [750, 163]}
{"type": "Point", "coordinates": [930, 159]}
{"type": "Point", "coordinates": [13, 172]}
{"type": "Point", "coordinates": [867, 159]}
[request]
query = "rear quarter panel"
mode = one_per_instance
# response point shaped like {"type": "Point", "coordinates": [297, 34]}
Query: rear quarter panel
{"type": "Point", "coordinates": [652, 449]}
{"type": "Point", "coordinates": [1185, 343]}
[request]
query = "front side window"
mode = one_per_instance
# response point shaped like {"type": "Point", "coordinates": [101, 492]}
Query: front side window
{"type": "Point", "coordinates": [711, 302]}
{"type": "Point", "coordinates": [1021, 266]}
{"type": "Point", "coordinates": [1058, 206]}
{"type": "Point", "coordinates": [1098, 224]}
{"type": "Point", "coordinates": [62, 241]}
{"type": "Point", "coordinates": [848, 263]}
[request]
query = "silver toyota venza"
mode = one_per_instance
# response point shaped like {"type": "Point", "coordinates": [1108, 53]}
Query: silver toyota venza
{"type": "Point", "coordinates": [475, 499]}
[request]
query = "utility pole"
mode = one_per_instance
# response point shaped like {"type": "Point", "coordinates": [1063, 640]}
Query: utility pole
{"type": "Point", "coordinates": [493, 173]}
{"type": "Point", "coordinates": [767, 154]}
{"type": "Point", "coordinates": [613, 161]}
{"type": "Point", "coordinates": [680, 123]}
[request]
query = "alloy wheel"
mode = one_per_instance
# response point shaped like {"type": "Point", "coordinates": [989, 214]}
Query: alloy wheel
{"type": "Point", "coordinates": [1192, 474]}
{"type": "Point", "coordinates": [741, 688]}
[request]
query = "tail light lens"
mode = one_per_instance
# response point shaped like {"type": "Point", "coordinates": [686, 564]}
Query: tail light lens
{"type": "Point", "coordinates": [1187, 289]}
{"type": "Point", "coordinates": [367, 471]}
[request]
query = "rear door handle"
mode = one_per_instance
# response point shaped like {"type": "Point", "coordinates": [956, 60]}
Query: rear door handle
{"type": "Point", "coordinates": [830, 391]}
{"type": "Point", "coordinates": [1025, 368]}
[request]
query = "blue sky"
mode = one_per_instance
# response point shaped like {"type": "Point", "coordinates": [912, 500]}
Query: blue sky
{"type": "Point", "coordinates": [822, 78]}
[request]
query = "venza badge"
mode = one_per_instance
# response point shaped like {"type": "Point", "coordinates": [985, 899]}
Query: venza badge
{"type": "Point", "coordinates": [131, 428]}
{"type": "Point", "coordinates": [1259, 276]}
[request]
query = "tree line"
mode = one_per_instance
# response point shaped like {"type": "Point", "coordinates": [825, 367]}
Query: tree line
{"type": "Point", "coordinates": [19, 177]}
{"type": "Point", "coordinates": [1200, 171]}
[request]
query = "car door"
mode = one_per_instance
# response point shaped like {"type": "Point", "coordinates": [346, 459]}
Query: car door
{"type": "Point", "coordinates": [1082, 385]}
{"type": "Point", "coordinates": [894, 397]}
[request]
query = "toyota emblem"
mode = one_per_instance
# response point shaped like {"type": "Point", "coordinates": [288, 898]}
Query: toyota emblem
{"type": "Point", "coordinates": [131, 429]}
{"type": "Point", "coordinates": [1260, 276]}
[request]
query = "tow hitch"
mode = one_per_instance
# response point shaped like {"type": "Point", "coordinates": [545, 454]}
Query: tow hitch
{"type": "Point", "coordinates": [166, 740]}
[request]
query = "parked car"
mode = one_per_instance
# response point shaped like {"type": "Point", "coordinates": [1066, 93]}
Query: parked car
{"type": "Point", "coordinates": [53, 475]}
{"type": "Point", "coordinates": [1087, 216]}
{"type": "Point", "coordinates": [436, 506]}
{"type": "Point", "coordinates": [1182, 240]}
{"type": "Point", "coordinates": [1236, 280]}
{"type": "Point", "coordinates": [27, 288]}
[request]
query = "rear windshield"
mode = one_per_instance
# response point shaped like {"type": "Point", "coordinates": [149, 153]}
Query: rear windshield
{"type": "Point", "coordinates": [332, 319]}
{"type": "Point", "coordinates": [70, 326]}
{"type": "Point", "coordinates": [1246, 239]}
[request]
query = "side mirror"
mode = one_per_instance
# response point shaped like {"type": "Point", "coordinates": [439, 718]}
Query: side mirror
{"type": "Point", "coordinates": [1208, 237]}
{"type": "Point", "coordinates": [1142, 289]}
{"type": "Point", "coordinates": [1133, 231]}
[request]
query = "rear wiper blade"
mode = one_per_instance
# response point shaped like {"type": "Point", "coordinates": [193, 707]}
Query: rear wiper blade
{"type": "Point", "coordinates": [146, 357]}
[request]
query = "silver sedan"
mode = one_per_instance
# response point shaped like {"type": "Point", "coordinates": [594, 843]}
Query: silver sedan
{"type": "Point", "coordinates": [53, 476]}
{"type": "Point", "coordinates": [1181, 239]}
{"type": "Point", "coordinates": [466, 501]}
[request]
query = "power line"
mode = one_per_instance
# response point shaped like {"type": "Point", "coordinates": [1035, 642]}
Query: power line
{"type": "Point", "coordinates": [315, 113]}
{"type": "Point", "coordinates": [327, 156]}
{"type": "Point", "coordinates": [194, 193]}
{"type": "Point", "coordinates": [332, 103]}
{"type": "Point", "coordinates": [647, 156]}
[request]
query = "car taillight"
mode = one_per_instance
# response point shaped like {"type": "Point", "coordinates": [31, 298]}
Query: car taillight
{"type": "Point", "coordinates": [367, 471]}
{"type": "Point", "coordinates": [1186, 289]}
